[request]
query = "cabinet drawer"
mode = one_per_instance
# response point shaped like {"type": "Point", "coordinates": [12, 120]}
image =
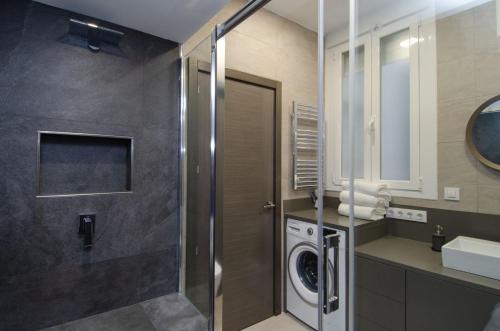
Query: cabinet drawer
{"type": "Point", "coordinates": [380, 278]}
{"type": "Point", "coordinates": [382, 311]}
{"type": "Point", "coordinates": [434, 304]}
{"type": "Point", "coordinates": [363, 324]}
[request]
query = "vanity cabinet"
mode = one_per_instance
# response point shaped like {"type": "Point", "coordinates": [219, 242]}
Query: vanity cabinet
{"type": "Point", "coordinates": [395, 298]}
{"type": "Point", "coordinates": [434, 304]}
{"type": "Point", "coordinates": [380, 294]}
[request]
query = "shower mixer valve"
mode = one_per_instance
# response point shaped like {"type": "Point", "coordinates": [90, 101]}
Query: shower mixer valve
{"type": "Point", "coordinates": [87, 230]}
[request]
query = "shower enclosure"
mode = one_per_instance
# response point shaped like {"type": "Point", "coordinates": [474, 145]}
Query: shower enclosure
{"type": "Point", "coordinates": [359, 45]}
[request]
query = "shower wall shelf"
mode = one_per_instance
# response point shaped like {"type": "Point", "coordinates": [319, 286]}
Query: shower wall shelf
{"type": "Point", "coordinates": [74, 164]}
{"type": "Point", "coordinates": [305, 146]}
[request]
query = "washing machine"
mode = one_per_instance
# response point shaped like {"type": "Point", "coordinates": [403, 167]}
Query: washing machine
{"type": "Point", "coordinates": [302, 275]}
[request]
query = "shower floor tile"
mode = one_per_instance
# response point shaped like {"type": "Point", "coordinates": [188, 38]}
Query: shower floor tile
{"type": "Point", "coordinates": [168, 313]}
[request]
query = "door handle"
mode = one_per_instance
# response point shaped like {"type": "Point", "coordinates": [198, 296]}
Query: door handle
{"type": "Point", "coordinates": [331, 303]}
{"type": "Point", "coordinates": [269, 205]}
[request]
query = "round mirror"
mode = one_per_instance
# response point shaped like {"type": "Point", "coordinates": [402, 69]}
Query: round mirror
{"type": "Point", "coordinates": [483, 133]}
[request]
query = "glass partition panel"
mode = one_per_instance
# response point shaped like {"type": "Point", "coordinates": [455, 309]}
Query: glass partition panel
{"type": "Point", "coordinates": [434, 69]}
{"type": "Point", "coordinates": [196, 241]}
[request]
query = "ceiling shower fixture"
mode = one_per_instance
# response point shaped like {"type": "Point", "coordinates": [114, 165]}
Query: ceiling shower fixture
{"type": "Point", "coordinates": [95, 34]}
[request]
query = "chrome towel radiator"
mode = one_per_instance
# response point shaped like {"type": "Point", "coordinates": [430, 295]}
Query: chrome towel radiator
{"type": "Point", "coordinates": [305, 146]}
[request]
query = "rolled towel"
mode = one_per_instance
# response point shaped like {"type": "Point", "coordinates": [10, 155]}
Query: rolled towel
{"type": "Point", "coordinates": [379, 190]}
{"type": "Point", "coordinates": [361, 199]}
{"type": "Point", "coordinates": [366, 213]}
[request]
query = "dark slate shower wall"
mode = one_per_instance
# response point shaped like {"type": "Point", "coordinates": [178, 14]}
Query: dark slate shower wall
{"type": "Point", "coordinates": [49, 81]}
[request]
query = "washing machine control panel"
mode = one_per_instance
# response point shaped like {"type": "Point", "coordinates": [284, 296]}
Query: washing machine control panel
{"type": "Point", "coordinates": [302, 230]}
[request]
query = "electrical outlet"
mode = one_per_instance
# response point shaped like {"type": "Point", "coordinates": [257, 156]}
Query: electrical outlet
{"type": "Point", "coordinates": [411, 215]}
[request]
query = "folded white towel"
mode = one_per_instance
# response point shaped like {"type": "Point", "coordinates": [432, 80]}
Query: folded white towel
{"type": "Point", "coordinates": [361, 199]}
{"type": "Point", "coordinates": [366, 213]}
{"type": "Point", "coordinates": [378, 190]}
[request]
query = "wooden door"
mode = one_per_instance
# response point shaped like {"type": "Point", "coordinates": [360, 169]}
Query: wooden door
{"type": "Point", "coordinates": [249, 183]}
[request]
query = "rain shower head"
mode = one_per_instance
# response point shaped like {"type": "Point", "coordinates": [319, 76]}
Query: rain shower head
{"type": "Point", "coordinates": [95, 34]}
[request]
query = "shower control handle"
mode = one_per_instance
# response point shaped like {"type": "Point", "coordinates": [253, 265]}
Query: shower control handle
{"type": "Point", "coordinates": [87, 230]}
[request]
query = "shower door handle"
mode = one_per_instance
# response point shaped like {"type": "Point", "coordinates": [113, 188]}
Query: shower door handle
{"type": "Point", "coordinates": [331, 303]}
{"type": "Point", "coordinates": [269, 205]}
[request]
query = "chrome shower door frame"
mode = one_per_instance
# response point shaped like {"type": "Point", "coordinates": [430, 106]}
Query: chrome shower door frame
{"type": "Point", "coordinates": [217, 100]}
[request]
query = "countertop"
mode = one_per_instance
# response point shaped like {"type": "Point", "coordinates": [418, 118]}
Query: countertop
{"type": "Point", "coordinates": [410, 254]}
{"type": "Point", "coordinates": [330, 217]}
{"type": "Point", "coordinates": [417, 256]}
{"type": "Point", "coordinates": [365, 231]}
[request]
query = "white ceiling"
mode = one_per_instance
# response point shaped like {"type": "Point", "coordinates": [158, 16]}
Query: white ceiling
{"type": "Point", "coordinates": [170, 19]}
{"type": "Point", "coordinates": [177, 20]}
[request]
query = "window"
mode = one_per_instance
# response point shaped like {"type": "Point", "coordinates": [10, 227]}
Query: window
{"type": "Point", "coordinates": [394, 71]}
{"type": "Point", "coordinates": [359, 167]}
{"type": "Point", "coordinates": [394, 109]}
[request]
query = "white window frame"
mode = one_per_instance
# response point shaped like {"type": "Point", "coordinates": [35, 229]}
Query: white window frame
{"type": "Point", "coordinates": [333, 103]}
{"type": "Point", "coordinates": [423, 109]}
{"type": "Point", "coordinates": [414, 181]}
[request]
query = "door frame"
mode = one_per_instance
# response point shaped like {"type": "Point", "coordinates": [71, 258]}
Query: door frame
{"type": "Point", "coordinates": [277, 228]}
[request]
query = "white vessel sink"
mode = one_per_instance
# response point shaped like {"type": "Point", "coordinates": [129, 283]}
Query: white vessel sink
{"type": "Point", "coordinates": [477, 256]}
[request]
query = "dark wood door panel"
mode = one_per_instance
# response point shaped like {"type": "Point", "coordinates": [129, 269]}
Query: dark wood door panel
{"type": "Point", "coordinates": [248, 228]}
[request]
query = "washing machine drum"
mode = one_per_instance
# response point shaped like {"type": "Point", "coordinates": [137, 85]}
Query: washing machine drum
{"type": "Point", "coordinates": [303, 272]}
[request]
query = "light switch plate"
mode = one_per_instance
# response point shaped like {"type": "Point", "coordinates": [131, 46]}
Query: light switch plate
{"type": "Point", "coordinates": [452, 193]}
{"type": "Point", "coordinates": [411, 215]}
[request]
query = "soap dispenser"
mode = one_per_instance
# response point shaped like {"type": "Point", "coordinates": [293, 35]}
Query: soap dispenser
{"type": "Point", "coordinates": [438, 239]}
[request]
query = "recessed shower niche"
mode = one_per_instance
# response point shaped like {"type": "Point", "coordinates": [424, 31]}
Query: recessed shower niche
{"type": "Point", "coordinates": [74, 163]}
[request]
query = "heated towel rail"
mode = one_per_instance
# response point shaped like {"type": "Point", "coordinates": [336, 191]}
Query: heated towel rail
{"type": "Point", "coordinates": [305, 146]}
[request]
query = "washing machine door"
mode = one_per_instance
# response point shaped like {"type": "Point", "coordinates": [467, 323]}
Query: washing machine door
{"type": "Point", "coordinates": [303, 272]}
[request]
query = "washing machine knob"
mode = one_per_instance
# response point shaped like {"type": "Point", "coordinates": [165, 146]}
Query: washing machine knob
{"type": "Point", "coordinates": [310, 231]}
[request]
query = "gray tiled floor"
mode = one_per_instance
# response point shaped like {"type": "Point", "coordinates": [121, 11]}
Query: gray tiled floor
{"type": "Point", "coordinates": [168, 313]}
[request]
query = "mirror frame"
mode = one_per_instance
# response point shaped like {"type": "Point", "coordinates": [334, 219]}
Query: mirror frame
{"type": "Point", "coordinates": [469, 134]}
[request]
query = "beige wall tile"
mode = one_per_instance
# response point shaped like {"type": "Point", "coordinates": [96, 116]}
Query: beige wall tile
{"type": "Point", "coordinates": [489, 200]}
{"type": "Point", "coordinates": [250, 55]}
{"type": "Point", "coordinates": [487, 176]}
{"type": "Point", "coordinates": [301, 42]}
{"type": "Point", "coordinates": [455, 36]}
{"type": "Point", "coordinates": [453, 116]}
{"type": "Point", "coordinates": [456, 165]}
{"type": "Point", "coordinates": [262, 26]}
{"type": "Point", "coordinates": [456, 78]}
{"type": "Point", "coordinates": [485, 34]}
{"type": "Point", "coordinates": [468, 200]}
{"type": "Point", "coordinates": [487, 72]}
{"type": "Point", "coordinates": [485, 38]}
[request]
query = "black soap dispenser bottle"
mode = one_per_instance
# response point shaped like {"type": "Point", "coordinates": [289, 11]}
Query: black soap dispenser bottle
{"type": "Point", "coordinates": [438, 239]}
